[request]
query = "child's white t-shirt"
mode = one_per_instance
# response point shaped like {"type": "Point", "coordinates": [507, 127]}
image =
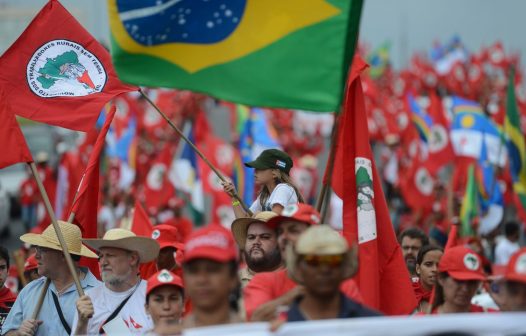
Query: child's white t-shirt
{"type": "Point", "coordinates": [283, 195]}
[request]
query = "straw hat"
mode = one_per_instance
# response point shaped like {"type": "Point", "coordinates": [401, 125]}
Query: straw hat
{"type": "Point", "coordinates": [321, 240]}
{"type": "Point", "coordinates": [49, 239]}
{"type": "Point", "coordinates": [147, 248]}
{"type": "Point", "coordinates": [240, 226]}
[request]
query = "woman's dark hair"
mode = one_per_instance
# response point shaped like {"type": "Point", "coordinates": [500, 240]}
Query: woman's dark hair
{"type": "Point", "coordinates": [423, 251]}
{"type": "Point", "coordinates": [439, 291]}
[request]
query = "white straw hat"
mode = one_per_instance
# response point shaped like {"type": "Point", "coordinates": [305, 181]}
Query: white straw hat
{"type": "Point", "coordinates": [147, 248]}
{"type": "Point", "coordinates": [49, 239]}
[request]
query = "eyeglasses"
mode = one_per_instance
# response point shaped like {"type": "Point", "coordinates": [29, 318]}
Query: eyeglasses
{"type": "Point", "coordinates": [40, 249]}
{"type": "Point", "coordinates": [329, 260]}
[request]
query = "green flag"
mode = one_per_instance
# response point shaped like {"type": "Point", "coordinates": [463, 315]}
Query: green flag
{"type": "Point", "coordinates": [468, 211]}
{"type": "Point", "coordinates": [272, 53]}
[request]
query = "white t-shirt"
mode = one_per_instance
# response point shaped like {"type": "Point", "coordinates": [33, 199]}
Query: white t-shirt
{"type": "Point", "coordinates": [504, 250]}
{"type": "Point", "coordinates": [106, 301]}
{"type": "Point", "coordinates": [283, 195]}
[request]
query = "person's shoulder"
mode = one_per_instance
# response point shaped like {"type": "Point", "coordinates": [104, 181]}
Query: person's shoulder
{"type": "Point", "coordinates": [352, 308]}
{"type": "Point", "coordinates": [36, 284]}
{"type": "Point", "coordinates": [90, 280]}
{"type": "Point", "coordinates": [284, 187]}
{"type": "Point", "coordinates": [95, 291]}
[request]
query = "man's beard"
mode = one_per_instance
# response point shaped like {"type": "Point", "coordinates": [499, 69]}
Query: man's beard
{"type": "Point", "coordinates": [115, 280]}
{"type": "Point", "coordinates": [411, 264]}
{"type": "Point", "coordinates": [268, 262]}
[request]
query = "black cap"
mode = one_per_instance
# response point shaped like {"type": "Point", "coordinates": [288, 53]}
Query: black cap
{"type": "Point", "coordinates": [272, 159]}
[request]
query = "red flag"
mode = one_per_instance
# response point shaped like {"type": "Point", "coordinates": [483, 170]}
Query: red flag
{"type": "Point", "coordinates": [86, 203]}
{"type": "Point", "coordinates": [440, 148]}
{"type": "Point", "coordinates": [57, 73]}
{"type": "Point", "coordinates": [141, 224]}
{"type": "Point", "coordinates": [14, 145]}
{"type": "Point", "coordinates": [417, 186]}
{"type": "Point", "coordinates": [158, 189]}
{"type": "Point", "coordinates": [382, 277]}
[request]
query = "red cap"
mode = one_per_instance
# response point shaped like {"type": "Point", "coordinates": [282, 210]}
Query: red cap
{"type": "Point", "coordinates": [461, 263]}
{"type": "Point", "coordinates": [163, 278]}
{"type": "Point", "coordinates": [516, 269]}
{"type": "Point", "coordinates": [213, 242]}
{"type": "Point", "coordinates": [31, 263]}
{"type": "Point", "coordinates": [300, 212]}
{"type": "Point", "coordinates": [166, 235]}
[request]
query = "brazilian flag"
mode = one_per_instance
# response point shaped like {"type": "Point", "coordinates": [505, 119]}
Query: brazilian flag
{"type": "Point", "coordinates": [273, 53]}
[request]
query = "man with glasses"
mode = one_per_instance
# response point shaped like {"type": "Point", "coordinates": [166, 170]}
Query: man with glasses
{"type": "Point", "coordinates": [320, 261]}
{"type": "Point", "coordinates": [58, 308]}
{"type": "Point", "coordinates": [412, 240]}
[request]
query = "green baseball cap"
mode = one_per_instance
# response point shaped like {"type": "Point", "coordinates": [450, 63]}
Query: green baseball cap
{"type": "Point", "coordinates": [272, 159]}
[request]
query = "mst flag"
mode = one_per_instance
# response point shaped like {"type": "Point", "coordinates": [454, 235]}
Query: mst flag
{"type": "Point", "coordinates": [382, 277]}
{"type": "Point", "coordinates": [275, 53]}
{"type": "Point", "coordinates": [14, 145]}
{"type": "Point", "coordinates": [57, 73]}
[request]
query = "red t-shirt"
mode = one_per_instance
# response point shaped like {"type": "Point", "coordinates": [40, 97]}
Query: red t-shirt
{"type": "Point", "coordinates": [28, 190]}
{"type": "Point", "coordinates": [268, 286]}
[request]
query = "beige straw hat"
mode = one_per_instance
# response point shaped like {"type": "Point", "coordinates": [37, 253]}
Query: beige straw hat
{"type": "Point", "coordinates": [147, 248]}
{"type": "Point", "coordinates": [49, 239]}
{"type": "Point", "coordinates": [240, 226]}
{"type": "Point", "coordinates": [321, 240]}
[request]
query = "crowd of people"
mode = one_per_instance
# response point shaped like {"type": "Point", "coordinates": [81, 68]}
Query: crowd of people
{"type": "Point", "coordinates": [279, 265]}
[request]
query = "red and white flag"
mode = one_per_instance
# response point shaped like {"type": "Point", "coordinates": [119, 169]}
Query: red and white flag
{"type": "Point", "coordinates": [440, 149]}
{"type": "Point", "coordinates": [57, 73]}
{"type": "Point", "coordinates": [382, 276]}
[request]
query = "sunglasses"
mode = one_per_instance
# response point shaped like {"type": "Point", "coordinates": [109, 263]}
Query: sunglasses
{"type": "Point", "coordinates": [329, 260]}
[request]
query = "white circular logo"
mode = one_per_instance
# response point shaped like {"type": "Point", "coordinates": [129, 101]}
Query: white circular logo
{"type": "Point", "coordinates": [155, 177]}
{"type": "Point", "coordinates": [61, 68]}
{"type": "Point", "coordinates": [424, 181]}
{"type": "Point", "coordinates": [164, 276]}
{"type": "Point", "coordinates": [437, 138]}
{"type": "Point", "coordinates": [290, 210]}
{"type": "Point", "coordinates": [156, 234]}
{"type": "Point", "coordinates": [471, 262]}
{"type": "Point", "coordinates": [520, 264]}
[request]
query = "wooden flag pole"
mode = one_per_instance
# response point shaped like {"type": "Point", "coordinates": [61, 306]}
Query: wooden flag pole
{"type": "Point", "coordinates": [41, 297]}
{"type": "Point", "coordinates": [175, 128]}
{"type": "Point", "coordinates": [51, 213]}
{"type": "Point", "coordinates": [328, 169]}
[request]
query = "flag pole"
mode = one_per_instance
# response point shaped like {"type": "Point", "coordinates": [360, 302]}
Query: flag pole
{"type": "Point", "coordinates": [60, 237]}
{"type": "Point", "coordinates": [329, 168]}
{"type": "Point", "coordinates": [40, 299]}
{"type": "Point", "coordinates": [214, 169]}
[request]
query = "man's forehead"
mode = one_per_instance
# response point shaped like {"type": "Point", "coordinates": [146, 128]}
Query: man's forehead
{"type": "Point", "coordinates": [257, 227]}
{"type": "Point", "coordinates": [411, 241]}
{"type": "Point", "coordinates": [3, 262]}
{"type": "Point", "coordinates": [115, 250]}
